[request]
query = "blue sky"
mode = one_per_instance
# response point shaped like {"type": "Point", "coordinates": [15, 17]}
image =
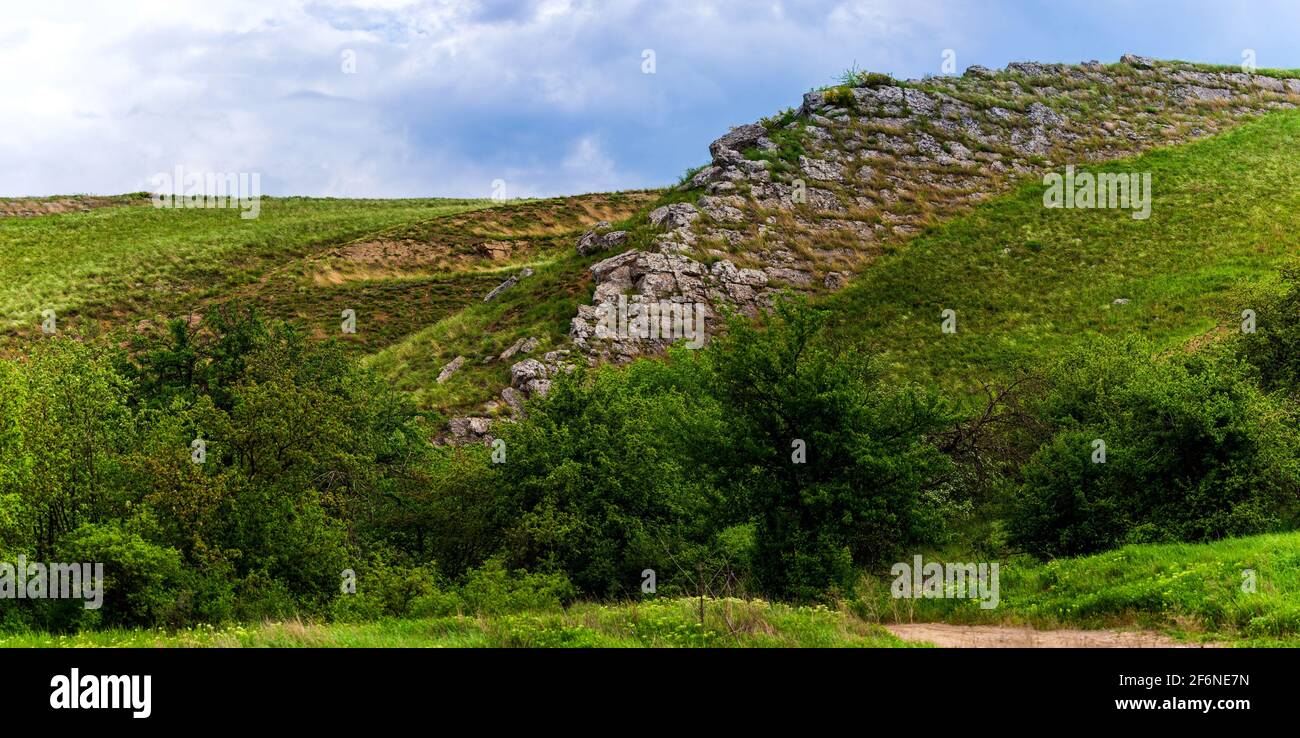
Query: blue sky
{"type": "Point", "coordinates": [547, 95]}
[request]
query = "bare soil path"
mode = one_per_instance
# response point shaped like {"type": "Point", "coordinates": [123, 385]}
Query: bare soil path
{"type": "Point", "coordinates": [944, 635]}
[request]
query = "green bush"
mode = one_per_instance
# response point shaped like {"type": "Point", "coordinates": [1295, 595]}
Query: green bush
{"type": "Point", "coordinates": [1273, 348]}
{"type": "Point", "coordinates": [841, 95]}
{"type": "Point", "coordinates": [1194, 451]}
{"type": "Point", "coordinates": [858, 494]}
{"type": "Point", "coordinates": [495, 590]}
{"type": "Point", "coordinates": [141, 580]}
{"type": "Point", "coordinates": [604, 478]}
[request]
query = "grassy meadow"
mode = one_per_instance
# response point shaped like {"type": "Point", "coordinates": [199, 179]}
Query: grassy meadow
{"type": "Point", "coordinates": [1026, 281]}
{"type": "Point", "coordinates": [663, 623]}
{"type": "Point", "coordinates": [1237, 591]}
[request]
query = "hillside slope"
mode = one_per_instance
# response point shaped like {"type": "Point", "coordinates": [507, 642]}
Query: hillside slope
{"type": "Point", "coordinates": [1025, 281]}
{"type": "Point", "coordinates": [919, 196]}
{"type": "Point", "coordinates": [813, 197]}
{"type": "Point", "coordinates": [114, 261]}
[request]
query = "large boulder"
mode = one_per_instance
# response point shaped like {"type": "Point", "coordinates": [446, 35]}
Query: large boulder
{"type": "Point", "coordinates": [471, 430]}
{"type": "Point", "coordinates": [677, 215]}
{"type": "Point", "coordinates": [740, 138]}
{"type": "Point", "coordinates": [526, 371]}
{"type": "Point", "coordinates": [1137, 62]}
{"type": "Point", "coordinates": [600, 239]}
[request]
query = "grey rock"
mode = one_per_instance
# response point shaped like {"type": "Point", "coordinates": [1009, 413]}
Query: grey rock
{"type": "Point", "coordinates": [514, 399]}
{"type": "Point", "coordinates": [724, 209]}
{"type": "Point", "coordinates": [823, 200]}
{"type": "Point", "coordinates": [1272, 84]}
{"type": "Point", "coordinates": [677, 215]}
{"type": "Point", "coordinates": [526, 371]}
{"type": "Point", "coordinates": [587, 242]}
{"type": "Point", "coordinates": [1137, 62]}
{"type": "Point", "coordinates": [471, 430]}
{"type": "Point", "coordinates": [704, 177]}
{"type": "Point", "coordinates": [523, 274]}
{"type": "Point", "coordinates": [1197, 92]}
{"type": "Point", "coordinates": [789, 276]}
{"type": "Point", "coordinates": [450, 369]}
{"type": "Point", "coordinates": [821, 170]}
{"type": "Point", "coordinates": [739, 138]}
{"type": "Point", "coordinates": [595, 241]}
{"type": "Point", "coordinates": [520, 346]}
{"type": "Point", "coordinates": [1030, 69]}
{"type": "Point", "coordinates": [1041, 115]}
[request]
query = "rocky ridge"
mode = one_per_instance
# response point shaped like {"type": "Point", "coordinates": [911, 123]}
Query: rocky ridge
{"type": "Point", "coordinates": [807, 198]}
{"type": "Point", "coordinates": [801, 201]}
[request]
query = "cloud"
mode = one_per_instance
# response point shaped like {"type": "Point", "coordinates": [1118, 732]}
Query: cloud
{"type": "Point", "coordinates": [449, 95]}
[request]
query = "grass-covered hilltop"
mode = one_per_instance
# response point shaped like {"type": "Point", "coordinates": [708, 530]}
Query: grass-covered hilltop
{"type": "Point", "coordinates": [1043, 318]}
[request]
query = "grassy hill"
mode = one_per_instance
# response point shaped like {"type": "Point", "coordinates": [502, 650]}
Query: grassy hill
{"type": "Point", "coordinates": [404, 266]}
{"type": "Point", "coordinates": [104, 265]}
{"type": "Point", "coordinates": [1026, 282]}
{"type": "Point", "coordinates": [1022, 279]}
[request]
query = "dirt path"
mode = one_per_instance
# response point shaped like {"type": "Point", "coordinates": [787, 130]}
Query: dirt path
{"type": "Point", "coordinates": [1000, 636]}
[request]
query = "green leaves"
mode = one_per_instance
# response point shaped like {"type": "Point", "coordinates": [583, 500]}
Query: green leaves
{"type": "Point", "coordinates": [1194, 451]}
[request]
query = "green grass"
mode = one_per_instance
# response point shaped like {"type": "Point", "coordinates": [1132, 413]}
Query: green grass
{"type": "Point", "coordinates": [111, 260]}
{"type": "Point", "coordinates": [1192, 591]}
{"type": "Point", "coordinates": [660, 623]}
{"type": "Point", "coordinates": [1236, 68]}
{"type": "Point", "coordinates": [1025, 280]}
{"type": "Point", "coordinates": [540, 306]}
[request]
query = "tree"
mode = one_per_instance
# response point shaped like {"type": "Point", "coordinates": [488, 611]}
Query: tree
{"type": "Point", "coordinates": [831, 460]}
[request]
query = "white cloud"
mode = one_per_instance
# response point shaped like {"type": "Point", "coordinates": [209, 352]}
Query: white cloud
{"type": "Point", "coordinates": [588, 166]}
{"type": "Point", "coordinates": [451, 94]}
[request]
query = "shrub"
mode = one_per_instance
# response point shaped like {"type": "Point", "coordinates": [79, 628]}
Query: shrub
{"type": "Point", "coordinates": [1274, 347]}
{"type": "Point", "coordinates": [604, 478]}
{"type": "Point", "coordinates": [857, 495]}
{"type": "Point", "coordinates": [494, 590]}
{"type": "Point", "coordinates": [841, 95]}
{"type": "Point", "coordinates": [141, 580]}
{"type": "Point", "coordinates": [1194, 451]}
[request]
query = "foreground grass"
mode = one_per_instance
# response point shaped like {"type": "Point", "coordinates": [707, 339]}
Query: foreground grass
{"type": "Point", "coordinates": [1025, 280]}
{"type": "Point", "coordinates": [659, 623]}
{"type": "Point", "coordinates": [1191, 591]}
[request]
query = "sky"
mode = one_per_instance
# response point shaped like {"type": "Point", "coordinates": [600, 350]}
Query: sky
{"type": "Point", "coordinates": [422, 98]}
